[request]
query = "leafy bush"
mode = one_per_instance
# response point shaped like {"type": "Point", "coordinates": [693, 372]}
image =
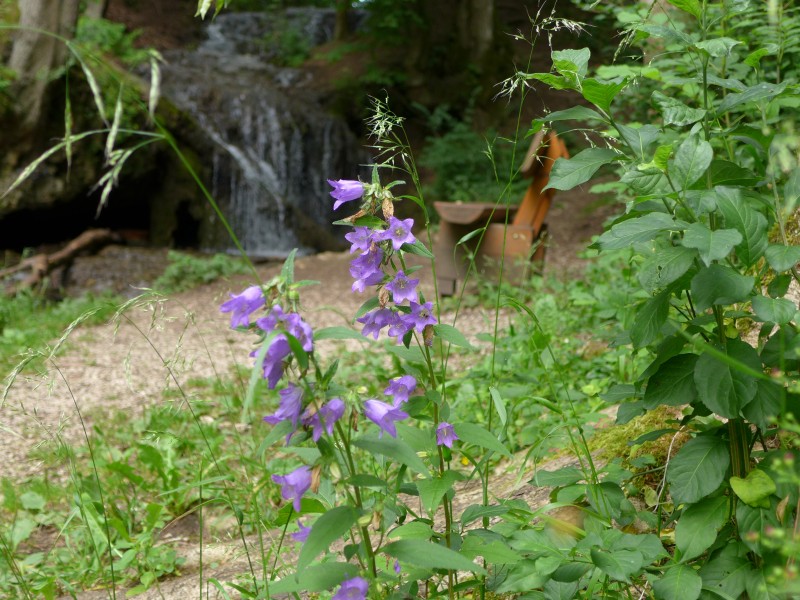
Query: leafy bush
{"type": "Point", "coordinates": [107, 37]}
{"type": "Point", "coordinates": [186, 271]}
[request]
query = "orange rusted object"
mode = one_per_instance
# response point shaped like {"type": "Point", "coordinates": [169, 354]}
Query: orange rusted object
{"type": "Point", "coordinates": [521, 238]}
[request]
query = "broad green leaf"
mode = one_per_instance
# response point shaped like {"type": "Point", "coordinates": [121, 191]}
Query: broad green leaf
{"type": "Point", "coordinates": [755, 93]}
{"type": "Point", "coordinates": [561, 477]}
{"type": "Point", "coordinates": [650, 318]}
{"type": "Point", "coordinates": [417, 248]}
{"type": "Point", "coordinates": [752, 522]}
{"type": "Point", "coordinates": [570, 572]}
{"type": "Point", "coordinates": [328, 528]}
{"type": "Point", "coordinates": [678, 582]}
{"type": "Point", "coordinates": [639, 229]}
{"type": "Point", "coordinates": [570, 172]}
{"type": "Point", "coordinates": [750, 223]}
{"type": "Point", "coordinates": [499, 405]}
{"type": "Point", "coordinates": [478, 511]}
{"type": "Point", "coordinates": [693, 7]}
{"type": "Point", "coordinates": [429, 555]}
{"type": "Point", "coordinates": [723, 172]}
{"type": "Point", "coordinates": [21, 530]}
{"type": "Point", "coordinates": [492, 550]}
{"type": "Point", "coordinates": [691, 160]}
{"type": "Point", "coordinates": [452, 335]}
{"type": "Point", "coordinates": [433, 489]}
{"type": "Point", "coordinates": [571, 61]}
{"type": "Point", "coordinates": [475, 434]}
{"type": "Point", "coordinates": [601, 93]}
{"type": "Point", "coordinates": [727, 571]}
{"type": "Point", "coordinates": [774, 310]}
{"type": "Point", "coordinates": [416, 530]}
{"type": "Point", "coordinates": [665, 266]}
{"type": "Point", "coordinates": [521, 578]}
{"type": "Point", "coordinates": [698, 526]}
{"type": "Point", "coordinates": [712, 245]}
{"type": "Point", "coordinates": [782, 258]}
{"type": "Point", "coordinates": [576, 113]}
{"type": "Point", "coordinates": [670, 34]}
{"type": "Point", "coordinates": [661, 157]}
{"type": "Point", "coordinates": [766, 405]}
{"type": "Point", "coordinates": [649, 545]}
{"type": "Point", "coordinates": [555, 81]}
{"type": "Point", "coordinates": [676, 112]}
{"type": "Point", "coordinates": [639, 139]}
{"type": "Point", "coordinates": [314, 578]}
{"type": "Point", "coordinates": [719, 284]}
{"type": "Point", "coordinates": [395, 449]}
{"type": "Point", "coordinates": [758, 588]}
{"type": "Point", "coordinates": [673, 383]}
{"type": "Point", "coordinates": [717, 47]}
{"type": "Point", "coordinates": [791, 192]}
{"type": "Point", "coordinates": [643, 183]}
{"type": "Point", "coordinates": [723, 388]}
{"type": "Point", "coordinates": [698, 469]}
{"type": "Point", "coordinates": [755, 489]}
{"type": "Point", "coordinates": [618, 565]}
{"type": "Point", "coordinates": [32, 501]}
{"type": "Point", "coordinates": [337, 333]}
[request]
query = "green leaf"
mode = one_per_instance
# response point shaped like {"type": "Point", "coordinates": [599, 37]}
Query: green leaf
{"type": "Point", "coordinates": [32, 501]}
{"type": "Point", "coordinates": [395, 449]}
{"type": "Point", "coordinates": [692, 158]}
{"type": "Point", "coordinates": [571, 61]}
{"type": "Point", "coordinates": [665, 266]}
{"type": "Point", "coordinates": [755, 93]}
{"type": "Point", "coordinates": [694, 8]}
{"type": "Point", "coordinates": [416, 530]}
{"type": "Point", "coordinates": [601, 93]}
{"type": "Point", "coordinates": [673, 383]}
{"type": "Point", "coordinates": [698, 469]}
{"type": "Point", "coordinates": [492, 550]}
{"type": "Point", "coordinates": [475, 434]}
{"type": "Point", "coordinates": [723, 388]}
{"type": "Point", "coordinates": [719, 284]}
{"type": "Point", "coordinates": [618, 565]}
{"type": "Point", "coordinates": [576, 113]}
{"type": "Point", "coordinates": [718, 47]}
{"type": "Point", "coordinates": [766, 405]}
{"type": "Point", "coordinates": [723, 172]}
{"type": "Point", "coordinates": [520, 578]}
{"type": "Point", "coordinates": [752, 522]}
{"type": "Point", "coordinates": [774, 310]}
{"type": "Point", "coordinates": [727, 571]}
{"type": "Point", "coordinates": [755, 489]}
{"type": "Point", "coordinates": [650, 318]}
{"type": "Point", "coordinates": [639, 139]}
{"type": "Point", "coordinates": [712, 245]}
{"type": "Point", "coordinates": [431, 490]}
{"type": "Point", "coordinates": [639, 229]}
{"type": "Point", "coordinates": [417, 248]}
{"type": "Point", "coordinates": [287, 270]}
{"type": "Point", "coordinates": [698, 526]}
{"type": "Point", "coordinates": [452, 335]}
{"type": "Point", "coordinates": [499, 405]}
{"type": "Point", "coordinates": [570, 172]}
{"type": "Point", "coordinates": [561, 477]}
{"type": "Point", "coordinates": [750, 224]}
{"type": "Point", "coordinates": [315, 578]}
{"type": "Point", "coordinates": [428, 555]}
{"type": "Point", "coordinates": [791, 192]}
{"type": "Point", "coordinates": [782, 258]}
{"type": "Point", "coordinates": [678, 582]}
{"type": "Point", "coordinates": [758, 588]}
{"type": "Point", "coordinates": [328, 528]}
{"type": "Point", "coordinates": [337, 333]}
{"type": "Point", "coordinates": [676, 112]}
{"type": "Point", "coordinates": [641, 182]}
{"type": "Point", "coordinates": [478, 511]}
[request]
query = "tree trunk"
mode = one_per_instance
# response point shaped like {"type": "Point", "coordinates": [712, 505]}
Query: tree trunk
{"type": "Point", "coordinates": [34, 54]}
{"type": "Point", "coordinates": [96, 9]}
{"type": "Point", "coordinates": [341, 29]}
{"type": "Point", "coordinates": [476, 27]}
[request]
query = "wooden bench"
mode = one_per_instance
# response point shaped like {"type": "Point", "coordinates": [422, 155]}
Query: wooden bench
{"type": "Point", "coordinates": [524, 234]}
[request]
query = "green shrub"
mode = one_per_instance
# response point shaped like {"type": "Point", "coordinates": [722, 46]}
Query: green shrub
{"type": "Point", "coordinates": [186, 271]}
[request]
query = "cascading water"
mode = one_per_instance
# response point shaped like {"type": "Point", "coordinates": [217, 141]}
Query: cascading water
{"type": "Point", "coordinates": [273, 146]}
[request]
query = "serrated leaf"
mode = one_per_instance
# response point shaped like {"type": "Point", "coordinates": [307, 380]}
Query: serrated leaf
{"type": "Point", "coordinates": [697, 528]}
{"type": "Point", "coordinates": [570, 172]}
{"type": "Point", "coordinates": [601, 93]}
{"type": "Point", "coordinates": [395, 449]}
{"type": "Point", "coordinates": [678, 582]}
{"type": "Point", "coordinates": [650, 318]}
{"type": "Point", "coordinates": [665, 266]}
{"type": "Point", "coordinates": [692, 158]}
{"type": "Point", "coordinates": [429, 555]}
{"type": "Point", "coordinates": [774, 310]}
{"type": "Point", "coordinates": [755, 489]}
{"type": "Point", "coordinates": [711, 244]}
{"type": "Point", "coordinates": [676, 112]}
{"type": "Point", "coordinates": [755, 93]}
{"type": "Point", "coordinates": [723, 388]}
{"type": "Point", "coordinates": [639, 229]}
{"type": "Point", "coordinates": [618, 565]}
{"type": "Point", "coordinates": [673, 383]}
{"type": "Point", "coordinates": [750, 224]}
{"type": "Point", "coordinates": [719, 284]}
{"type": "Point", "coordinates": [698, 469]}
{"type": "Point", "coordinates": [328, 528]}
{"type": "Point", "coordinates": [475, 434]}
{"type": "Point", "coordinates": [782, 258]}
{"type": "Point", "coordinates": [452, 335]}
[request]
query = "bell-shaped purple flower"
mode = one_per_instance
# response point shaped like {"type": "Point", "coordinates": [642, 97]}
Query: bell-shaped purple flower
{"type": "Point", "coordinates": [384, 416]}
{"type": "Point", "coordinates": [294, 485]}
{"type": "Point", "coordinates": [445, 434]}
{"type": "Point", "coordinates": [273, 360]}
{"type": "Point", "coordinates": [301, 535]}
{"type": "Point", "coordinates": [325, 418]}
{"type": "Point", "coordinates": [352, 589]}
{"type": "Point", "coordinates": [398, 328]}
{"type": "Point", "coordinates": [360, 238]}
{"type": "Point", "coordinates": [345, 190]}
{"type": "Point", "coordinates": [401, 388]}
{"type": "Point", "coordinates": [241, 306]}
{"type": "Point", "coordinates": [403, 288]}
{"type": "Point", "coordinates": [289, 409]}
{"type": "Point", "coordinates": [420, 315]}
{"type": "Point", "coordinates": [375, 321]}
{"type": "Point", "coordinates": [269, 322]}
{"type": "Point", "coordinates": [399, 232]}
{"type": "Point", "coordinates": [300, 330]}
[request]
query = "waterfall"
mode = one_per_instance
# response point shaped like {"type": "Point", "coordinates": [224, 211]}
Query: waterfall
{"type": "Point", "coordinates": [272, 145]}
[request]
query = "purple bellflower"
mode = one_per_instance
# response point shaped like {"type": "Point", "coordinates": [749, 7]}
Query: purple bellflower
{"type": "Point", "coordinates": [399, 232]}
{"type": "Point", "coordinates": [241, 306]}
{"type": "Point", "coordinates": [352, 589]}
{"type": "Point", "coordinates": [270, 322]}
{"type": "Point", "coordinates": [325, 418]}
{"type": "Point", "coordinates": [294, 485]}
{"type": "Point", "coordinates": [360, 238]}
{"type": "Point", "coordinates": [375, 321]}
{"type": "Point", "coordinates": [289, 409]}
{"type": "Point", "coordinates": [398, 328]}
{"type": "Point", "coordinates": [420, 316]}
{"type": "Point", "coordinates": [384, 416]}
{"type": "Point", "coordinates": [401, 388]}
{"type": "Point", "coordinates": [273, 360]}
{"type": "Point", "coordinates": [345, 190]}
{"type": "Point", "coordinates": [445, 434]}
{"type": "Point", "coordinates": [403, 288]}
{"type": "Point", "coordinates": [293, 323]}
{"type": "Point", "coordinates": [301, 535]}
{"type": "Point", "coordinates": [366, 269]}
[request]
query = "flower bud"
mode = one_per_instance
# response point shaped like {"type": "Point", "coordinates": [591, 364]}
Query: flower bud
{"type": "Point", "coordinates": [376, 520]}
{"type": "Point", "coordinates": [336, 472]}
{"type": "Point", "coordinates": [388, 208]}
{"type": "Point", "coordinates": [383, 297]}
{"type": "Point", "coordinates": [427, 335]}
{"type": "Point", "coordinates": [316, 475]}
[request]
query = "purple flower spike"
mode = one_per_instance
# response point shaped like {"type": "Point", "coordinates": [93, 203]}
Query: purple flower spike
{"type": "Point", "coordinates": [325, 418]}
{"type": "Point", "coordinates": [399, 232]}
{"type": "Point", "coordinates": [243, 305]}
{"type": "Point", "coordinates": [420, 316]}
{"type": "Point", "coordinates": [445, 434]}
{"type": "Point", "coordinates": [361, 239]}
{"type": "Point", "coordinates": [345, 190]}
{"type": "Point", "coordinates": [401, 388]}
{"type": "Point", "coordinates": [403, 288]}
{"type": "Point", "coordinates": [384, 416]}
{"type": "Point", "coordinates": [352, 589]}
{"type": "Point", "coordinates": [294, 485]}
{"type": "Point", "coordinates": [375, 321]}
{"type": "Point", "coordinates": [289, 409]}
{"type": "Point", "coordinates": [302, 534]}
